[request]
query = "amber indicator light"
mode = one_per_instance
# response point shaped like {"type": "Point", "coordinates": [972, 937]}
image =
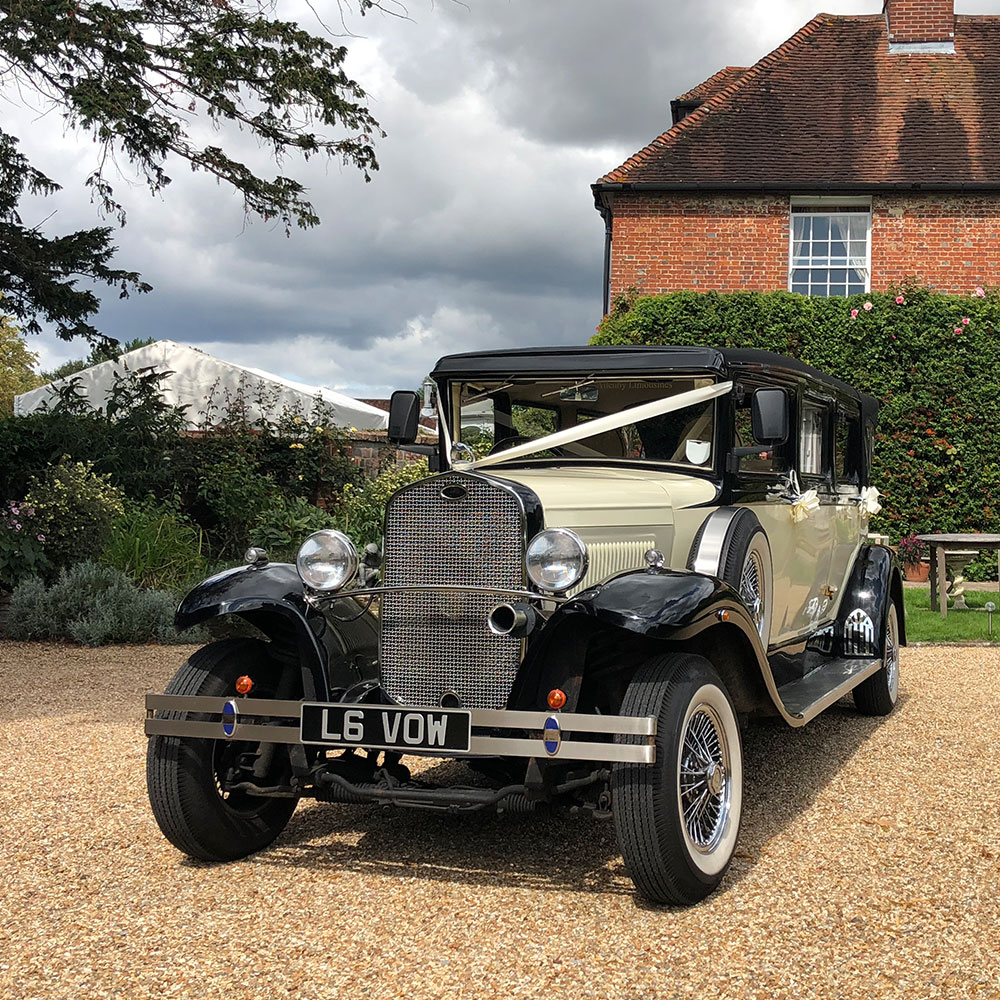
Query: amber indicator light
{"type": "Point", "coordinates": [557, 698]}
{"type": "Point", "coordinates": [243, 685]}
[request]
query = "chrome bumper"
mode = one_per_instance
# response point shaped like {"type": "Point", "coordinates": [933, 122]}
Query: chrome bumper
{"type": "Point", "coordinates": [284, 726]}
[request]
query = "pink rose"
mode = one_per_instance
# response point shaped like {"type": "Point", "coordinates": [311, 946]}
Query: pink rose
{"type": "Point", "coordinates": [979, 293]}
{"type": "Point", "coordinates": [965, 321]}
{"type": "Point", "coordinates": [900, 300]}
{"type": "Point", "coordinates": [854, 314]}
{"type": "Point", "coordinates": [868, 307]}
{"type": "Point", "coordinates": [41, 538]}
{"type": "Point", "coordinates": [958, 329]}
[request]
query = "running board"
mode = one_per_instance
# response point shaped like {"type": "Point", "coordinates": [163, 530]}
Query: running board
{"type": "Point", "coordinates": [806, 697]}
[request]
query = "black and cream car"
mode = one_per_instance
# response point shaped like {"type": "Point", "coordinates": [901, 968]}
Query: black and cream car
{"type": "Point", "coordinates": [622, 555]}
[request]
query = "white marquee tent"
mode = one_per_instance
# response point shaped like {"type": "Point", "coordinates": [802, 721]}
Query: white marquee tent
{"type": "Point", "coordinates": [195, 374]}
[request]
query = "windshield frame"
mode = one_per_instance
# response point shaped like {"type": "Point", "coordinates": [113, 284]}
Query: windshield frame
{"type": "Point", "coordinates": [450, 393]}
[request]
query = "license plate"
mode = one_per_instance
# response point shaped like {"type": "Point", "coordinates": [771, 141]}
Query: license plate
{"type": "Point", "coordinates": [386, 727]}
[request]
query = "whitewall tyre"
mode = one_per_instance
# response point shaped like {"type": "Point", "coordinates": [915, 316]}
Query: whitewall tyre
{"type": "Point", "coordinates": [878, 694]}
{"type": "Point", "coordinates": [678, 819]}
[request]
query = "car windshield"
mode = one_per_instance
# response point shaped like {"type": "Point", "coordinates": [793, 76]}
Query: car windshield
{"type": "Point", "coordinates": [499, 414]}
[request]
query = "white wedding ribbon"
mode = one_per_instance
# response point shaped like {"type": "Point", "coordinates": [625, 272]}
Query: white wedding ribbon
{"type": "Point", "coordinates": [804, 504]}
{"type": "Point", "coordinates": [612, 422]}
{"type": "Point", "coordinates": [869, 500]}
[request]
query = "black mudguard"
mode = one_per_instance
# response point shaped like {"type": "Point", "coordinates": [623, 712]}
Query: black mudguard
{"type": "Point", "coordinates": [656, 604]}
{"type": "Point", "coordinates": [336, 648]}
{"type": "Point", "coordinates": [875, 579]}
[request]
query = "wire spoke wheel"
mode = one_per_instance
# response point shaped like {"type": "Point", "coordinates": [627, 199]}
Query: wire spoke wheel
{"type": "Point", "coordinates": [705, 779]}
{"type": "Point", "coordinates": [678, 817]}
{"type": "Point", "coordinates": [878, 694]}
{"type": "Point", "coordinates": [752, 588]}
{"type": "Point", "coordinates": [892, 655]}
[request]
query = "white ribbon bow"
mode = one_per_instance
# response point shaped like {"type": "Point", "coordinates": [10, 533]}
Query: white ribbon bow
{"type": "Point", "coordinates": [869, 500]}
{"type": "Point", "coordinates": [804, 505]}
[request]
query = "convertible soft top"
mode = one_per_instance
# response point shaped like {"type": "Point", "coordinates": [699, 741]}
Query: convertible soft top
{"type": "Point", "coordinates": [646, 359]}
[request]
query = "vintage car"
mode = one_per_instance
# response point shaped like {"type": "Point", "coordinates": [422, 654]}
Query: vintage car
{"type": "Point", "coordinates": [622, 555]}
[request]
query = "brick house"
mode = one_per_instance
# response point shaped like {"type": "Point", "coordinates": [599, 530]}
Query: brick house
{"type": "Point", "coordinates": [860, 152]}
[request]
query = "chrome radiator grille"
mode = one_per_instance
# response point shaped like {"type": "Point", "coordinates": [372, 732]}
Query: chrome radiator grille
{"type": "Point", "coordinates": [434, 643]}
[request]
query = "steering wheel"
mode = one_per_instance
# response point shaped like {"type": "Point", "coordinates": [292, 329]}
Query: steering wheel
{"type": "Point", "coordinates": [512, 442]}
{"type": "Point", "coordinates": [508, 442]}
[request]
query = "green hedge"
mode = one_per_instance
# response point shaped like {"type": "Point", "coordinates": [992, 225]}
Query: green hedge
{"type": "Point", "coordinates": [932, 359]}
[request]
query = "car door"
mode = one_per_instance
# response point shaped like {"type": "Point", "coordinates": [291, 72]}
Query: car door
{"type": "Point", "coordinates": [847, 458]}
{"type": "Point", "coordinates": [759, 479]}
{"type": "Point", "coordinates": [816, 534]}
{"type": "Point", "coordinates": [801, 549]}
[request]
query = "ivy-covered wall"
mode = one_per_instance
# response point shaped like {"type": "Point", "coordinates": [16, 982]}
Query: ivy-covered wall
{"type": "Point", "coordinates": [932, 359]}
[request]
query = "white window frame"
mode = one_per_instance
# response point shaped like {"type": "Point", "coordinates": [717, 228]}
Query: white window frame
{"type": "Point", "coordinates": [822, 205]}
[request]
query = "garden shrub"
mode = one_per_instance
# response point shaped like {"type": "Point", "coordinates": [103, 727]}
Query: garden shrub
{"type": "Point", "coordinates": [21, 545]}
{"type": "Point", "coordinates": [282, 528]}
{"type": "Point", "coordinates": [234, 496]}
{"type": "Point", "coordinates": [94, 605]}
{"type": "Point", "coordinates": [224, 478]}
{"type": "Point", "coordinates": [932, 359]}
{"type": "Point", "coordinates": [74, 509]}
{"type": "Point", "coordinates": [156, 545]}
{"type": "Point", "coordinates": [361, 512]}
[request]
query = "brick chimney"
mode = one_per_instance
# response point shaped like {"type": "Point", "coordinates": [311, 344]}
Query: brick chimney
{"type": "Point", "coordinates": [920, 21]}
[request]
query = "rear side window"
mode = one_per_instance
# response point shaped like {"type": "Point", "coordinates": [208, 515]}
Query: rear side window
{"type": "Point", "coordinates": [812, 438]}
{"type": "Point", "coordinates": [847, 447]}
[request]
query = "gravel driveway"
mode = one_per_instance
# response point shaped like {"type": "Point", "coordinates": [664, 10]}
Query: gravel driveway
{"type": "Point", "coordinates": [869, 866]}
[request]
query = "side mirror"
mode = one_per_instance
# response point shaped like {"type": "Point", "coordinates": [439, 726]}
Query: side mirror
{"type": "Point", "coordinates": [769, 413]}
{"type": "Point", "coordinates": [404, 416]}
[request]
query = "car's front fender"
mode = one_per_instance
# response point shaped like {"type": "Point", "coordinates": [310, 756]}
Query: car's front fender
{"type": "Point", "coordinates": [336, 647]}
{"type": "Point", "coordinates": [656, 604]}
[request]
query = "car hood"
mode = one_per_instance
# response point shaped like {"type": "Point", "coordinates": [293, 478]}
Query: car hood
{"type": "Point", "coordinates": [620, 513]}
{"type": "Point", "coordinates": [590, 497]}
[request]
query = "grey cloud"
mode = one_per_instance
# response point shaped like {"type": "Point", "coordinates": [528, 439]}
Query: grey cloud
{"type": "Point", "coordinates": [479, 230]}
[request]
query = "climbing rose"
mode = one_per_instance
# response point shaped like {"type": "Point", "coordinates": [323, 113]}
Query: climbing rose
{"type": "Point", "coordinates": [868, 307]}
{"type": "Point", "coordinates": [854, 314]}
{"type": "Point", "coordinates": [958, 329]}
{"type": "Point", "coordinates": [979, 293]}
{"type": "Point", "coordinates": [41, 538]}
{"type": "Point", "coordinates": [965, 321]}
{"type": "Point", "coordinates": [900, 300]}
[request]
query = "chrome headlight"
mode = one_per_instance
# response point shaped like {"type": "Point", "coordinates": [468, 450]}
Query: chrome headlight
{"type": "Point", "coordinates": [327, 560]}
{"type": "Point", "coordinates": [556, 559]}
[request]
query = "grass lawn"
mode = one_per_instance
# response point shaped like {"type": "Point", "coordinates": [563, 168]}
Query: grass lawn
{"type": "Point", "coordinates": [925, 625]}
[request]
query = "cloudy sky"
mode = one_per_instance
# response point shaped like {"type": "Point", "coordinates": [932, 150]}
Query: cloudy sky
{"type": "Point", "coordinates": [478, 232]}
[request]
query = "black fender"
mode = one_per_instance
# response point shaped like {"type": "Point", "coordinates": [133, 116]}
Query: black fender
{"type": "Point", "coordinates": [336, 647]}
{"type": "Point", "coordinates": [655, 605]}
{"type": "Point", "coordinates": [875, 578]}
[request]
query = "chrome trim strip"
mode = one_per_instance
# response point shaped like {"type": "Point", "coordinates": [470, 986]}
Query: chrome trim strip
{"type": "Point", "coordinates": [249, 707]}
{"type": "Point", "coordinates": [213, 731]}
{"type": "Point", "coordinates": [642, 753]}
{"type": "Point", "coordinates": [480, 745]}
{"type": "Point", "coordinates": [626, 725]}
{"type": "Point", "coordinates": [713, 538]}
{"type": "Point", "coordinates": [838, 692]}
{"type": "Point", "coordinates": [414, 588]}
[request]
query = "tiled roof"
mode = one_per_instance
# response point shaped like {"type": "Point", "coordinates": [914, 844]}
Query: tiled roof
{"type": "Point", "coordinates": [712, 86]}
{"type": "Point", "coordinates": [832, 108]}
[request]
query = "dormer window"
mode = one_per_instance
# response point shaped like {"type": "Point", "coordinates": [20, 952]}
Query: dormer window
{"type": "Point", "coordinates": [830, 246]}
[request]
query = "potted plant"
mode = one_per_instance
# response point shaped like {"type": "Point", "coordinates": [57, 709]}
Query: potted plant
{"type": "Point", "coordinates": [911, 553]}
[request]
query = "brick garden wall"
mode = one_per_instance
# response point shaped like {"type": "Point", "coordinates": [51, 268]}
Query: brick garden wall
{"type": "Point", "coordinates": [372, 452]}
{"type": "Point", "coordinates": [724, 243]}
